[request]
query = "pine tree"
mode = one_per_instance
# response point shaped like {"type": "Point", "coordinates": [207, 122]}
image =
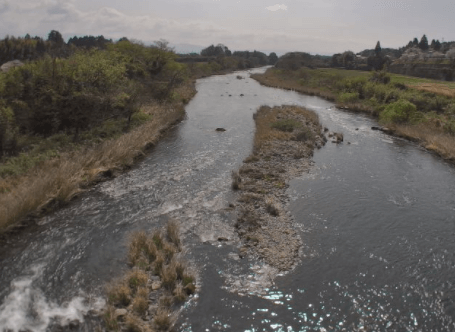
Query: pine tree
{"type": "Point", "coordinates": [415, 42]}
{"type": "Point", "coordinates": [437, 45]}
{"type": "Point", "coordinates": [378, 49]}
{"type": "Point", "coordinates": [423, 45]}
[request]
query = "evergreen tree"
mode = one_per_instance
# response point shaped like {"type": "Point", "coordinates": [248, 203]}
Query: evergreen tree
{"type": "Point", "coordinates": [415, 42]}
{"type": "Point", "coordinates": [423, 45]}
{"type": "Point", "coordinates": [378, 49]}
{"type": "Point", "coordinates": [273, 58]}
{"type": "Point", "coordinates": [437, 45]}
{"type": "Point", "coordinates": [56, 37]}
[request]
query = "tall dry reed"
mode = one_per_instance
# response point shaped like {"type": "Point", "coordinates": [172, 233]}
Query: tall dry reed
{"type": "Point", "coordinates": [57, 181]}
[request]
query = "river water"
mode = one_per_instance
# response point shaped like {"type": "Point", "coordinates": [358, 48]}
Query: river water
{"type": "Point", "coordinates": [375, 213]}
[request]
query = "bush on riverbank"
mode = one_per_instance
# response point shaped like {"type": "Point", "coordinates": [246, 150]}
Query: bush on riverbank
{"type": "Point", "coordinates": [401, 111]}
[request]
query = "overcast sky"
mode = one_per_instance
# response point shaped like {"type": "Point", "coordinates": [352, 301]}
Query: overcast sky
{"type": "Point", "coordinates": [322, 26]}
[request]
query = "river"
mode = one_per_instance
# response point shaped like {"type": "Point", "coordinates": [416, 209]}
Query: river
{"type": "Point", "coordinates": [375, 213]}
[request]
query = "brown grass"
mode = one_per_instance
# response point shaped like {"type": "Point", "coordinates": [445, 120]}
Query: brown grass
{"type": "Point", "coordinates": [236, 179]}
{"type": "Point", "coordinates": [430, 137]}
{"type": "Point", "coordinates": [57, 181]}
{"type": "Point", "coordinates": [172, 230]}
{"type": "Point", "coordinates": [163, 320]}
{"type": "Point", "coordinates": [437, 88]}
{"type": "Point", "coordinates": [136, 278]}
{"type": "Point", "coordinates": [266, 116]}
{"type": "Point", "coordinates": [169, 276]}
{"type": "Point", "coordinates": [133, 324]}
{"type": "Point", "coordinates": [133, 290]}
{"type": "Point", "coordinates": [140, 303]}
{"type": "Point", "coordinates": [110, 319]}
{"type": "Point", "coordinates": [119, 293]}
{"type": "Point", "coordinates": [179, 293]}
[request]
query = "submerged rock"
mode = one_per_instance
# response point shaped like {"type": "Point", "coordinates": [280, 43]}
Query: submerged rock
{"type": "Point", "coordinates": [220, 129]}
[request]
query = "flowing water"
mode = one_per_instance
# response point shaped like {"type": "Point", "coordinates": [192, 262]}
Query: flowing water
{"type": "Point", "coordinates": [376, 217]}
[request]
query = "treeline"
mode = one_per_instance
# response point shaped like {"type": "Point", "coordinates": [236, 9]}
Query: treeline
{"type": "Point", "coordinates": [296, 60]}
{"type": "Point", "coordinates": [31, 48]}
{"type": "Point", "coordinates": [250, 59]}
{"type": "Point", "coordinates": [76, 86]}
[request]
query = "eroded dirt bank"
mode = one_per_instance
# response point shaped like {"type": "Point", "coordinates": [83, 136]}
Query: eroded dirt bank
{"type": "Point", "coordinates": [283, 147]}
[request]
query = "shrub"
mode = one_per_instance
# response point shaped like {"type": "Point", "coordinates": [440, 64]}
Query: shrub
{"type": "Point", "coordinates": [380, 77]}
{"type": "Point", "coordinates": [348, 97]}
{"type": "Point", "coordinates": [400, 111]}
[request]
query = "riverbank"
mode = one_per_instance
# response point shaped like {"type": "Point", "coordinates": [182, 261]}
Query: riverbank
{"type": "Point", "coordinates": [284, 141]}
{"type": "Point", "coordinates": [54, 182]}
{"type": "Point", "coordinates": [430, 120]}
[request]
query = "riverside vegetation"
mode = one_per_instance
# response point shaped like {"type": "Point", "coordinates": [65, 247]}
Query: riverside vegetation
{"type": "Point", "coordinates": [284, 141]}
{"type": "Point", "coordinates": [72, 116]}
{"type": "Point", "coordinates": [158, 283]}
{"type": "Point", "coordinates": [418, 109]}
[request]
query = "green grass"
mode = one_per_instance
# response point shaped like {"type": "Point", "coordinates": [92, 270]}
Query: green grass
{"type": "Point", "coordinates": [286, 125]}
{"type": "Point", "coordinates": [409, 80]}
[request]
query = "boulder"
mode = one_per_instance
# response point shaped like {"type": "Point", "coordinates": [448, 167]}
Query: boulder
{"type": "Point", "coordinates": [220, 129]}
{"type": "Point", "coordinates": [120, 313]}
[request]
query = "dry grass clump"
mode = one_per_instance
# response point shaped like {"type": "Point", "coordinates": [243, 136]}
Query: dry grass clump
{"type": "Point", "coordinates": [172, 231]}
{"type": "Point", "coordinates": [57, 181]}
{"type": "Point", "coordinates": [236, 179]}
{"type": "Point", "coordinates": [136, 278]}
{"type": "Point", "coordinates": [163, 320]}
{"type": "Point", "coordinates": [109, 318]}
{"type": "Point", "coordinates": [251, 159]}
{"type": "Point", "coordinates": [133, 324]}
{"type": "Point", "coordinates": [430, 137]}
{"type": "Point", "coordinates": [140, 303]}
{"type": "Point", "coordinates": [179, 293]}
{"type": "Point", "coordinates": [119, 293]}
{"type": "Point", "coordinates": [271, 207]}
{"type": "Point", "coordinates": [150, 254]}
{"type": "Point", "coordinates": [169, 277]}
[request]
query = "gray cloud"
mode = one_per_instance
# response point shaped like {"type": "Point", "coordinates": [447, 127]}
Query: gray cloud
{"type": "Point", "coordinates": [4, 6]}
{"type": "Point", "coordinates": [277, 7]}
{"type": "Point", "coordinates": [325, 26]}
